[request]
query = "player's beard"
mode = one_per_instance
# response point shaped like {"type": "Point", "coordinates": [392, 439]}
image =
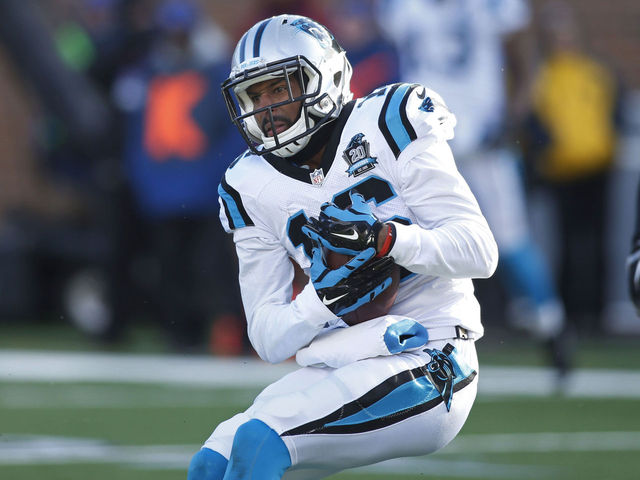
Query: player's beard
{"type": "Point", "coordinates": [276, 118]}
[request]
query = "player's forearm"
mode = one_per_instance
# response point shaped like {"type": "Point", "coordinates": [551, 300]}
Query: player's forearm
{"type": "Point", "coordinates": [278, 330]}
{"type": "Point", "coordinates": [451, 237]}
{"type": "Point", "coordinates": [456, 250]}
{"type": "Point", "coordinates": [277, 327]}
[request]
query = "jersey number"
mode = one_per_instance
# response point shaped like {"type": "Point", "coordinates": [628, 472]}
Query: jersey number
{"type": "Point", "coordinates": [371, 188]}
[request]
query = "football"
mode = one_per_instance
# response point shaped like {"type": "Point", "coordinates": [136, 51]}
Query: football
{"type": "Point", "coordinates": [380, 305]}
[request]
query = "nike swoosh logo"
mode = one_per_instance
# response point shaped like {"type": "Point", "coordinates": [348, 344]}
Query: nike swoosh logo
{"type": "Point", "coordinates": [351, 236]}
{"type": "Point", "coordinates": [327, 301]}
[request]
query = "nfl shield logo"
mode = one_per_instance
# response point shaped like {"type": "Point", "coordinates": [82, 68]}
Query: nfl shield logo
{"type": "Point", "coordinates": [317, 177]}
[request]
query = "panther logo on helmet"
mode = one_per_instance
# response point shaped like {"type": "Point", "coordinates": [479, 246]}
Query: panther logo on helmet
{"type": "Point", "coordinates": [312, 28]}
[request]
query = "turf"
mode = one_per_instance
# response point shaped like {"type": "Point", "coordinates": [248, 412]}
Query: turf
{"type": "Point", "coordinates": [184, 417]}
{"type": "Point", "coordinates": [145, 431]}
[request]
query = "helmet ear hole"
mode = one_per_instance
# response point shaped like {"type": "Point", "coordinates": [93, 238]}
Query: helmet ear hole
{"type": "Point", "coordinates": [337, 77]}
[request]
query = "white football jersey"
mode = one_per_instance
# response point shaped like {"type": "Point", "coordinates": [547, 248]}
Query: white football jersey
{"type": "Point", "coordinates": [390, 146]}
{"type": "Point", "coordinates": [455, 47]}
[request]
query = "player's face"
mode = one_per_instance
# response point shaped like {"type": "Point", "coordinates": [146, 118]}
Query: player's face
{"type": "Point", "coordinates": [270, 92]}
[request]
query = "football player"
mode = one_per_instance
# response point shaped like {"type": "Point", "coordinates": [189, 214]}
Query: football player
{"type": "Point", "coordinates": [373, 179]}
{"type": "Point", "coordinates": [461, 48]}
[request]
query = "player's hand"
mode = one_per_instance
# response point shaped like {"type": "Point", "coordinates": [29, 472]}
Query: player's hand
{"type": "Point", "coordinates": [633, 267]}
{"type": "Point", "coordinates": [347, 231]}
{"type": "Point", "coordinates": [355, 283]}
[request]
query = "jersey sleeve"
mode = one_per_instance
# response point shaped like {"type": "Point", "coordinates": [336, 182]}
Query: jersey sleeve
{"type": "Point", "coordinates": [412, 111]}
{"type": "Point", "coordinates": [277, 326]}
{"type": "Point", "coordinates": [233, 214]}
{"type": "Point", "coordinates": [451, 237]}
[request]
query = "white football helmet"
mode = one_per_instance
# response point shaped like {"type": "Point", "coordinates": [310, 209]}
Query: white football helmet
{"type": "Point", "coordinates": [279, 47]}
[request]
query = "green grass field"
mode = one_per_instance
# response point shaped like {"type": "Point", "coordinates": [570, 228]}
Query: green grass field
{"type": "Point", "coordinates": [64, 429]}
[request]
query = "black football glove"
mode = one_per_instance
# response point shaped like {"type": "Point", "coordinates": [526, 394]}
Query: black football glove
{"type": "Point", "coordinates": [348, 231]}
{"type": "Point", "coordinates": [350, 286]}
{"type": "Point", "coordinates": [633, 267]}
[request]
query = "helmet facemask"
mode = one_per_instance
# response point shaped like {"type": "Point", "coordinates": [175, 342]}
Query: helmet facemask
{"type": "Point", "coordinates": [315, 109]}
{"type": "Point", "coordinates": [287, 46]}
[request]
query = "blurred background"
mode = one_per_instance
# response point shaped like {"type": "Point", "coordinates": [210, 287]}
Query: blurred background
{"type": "Point", "coordinates": [114, 136]}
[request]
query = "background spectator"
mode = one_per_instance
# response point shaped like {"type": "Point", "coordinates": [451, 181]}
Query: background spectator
{"type": "Point", "coordinates": [574, 139]}
{"type": "Point", "coordinates": [468, 51]}
{"type": "Point", "coordinates": [374, 59]}
{"type": "Point", "coordinates": [53, 210]}
{"type": "Point", "coordinates": [128, 226]}
{"type": "Point", "coordinates": [177, 144]}
{"type": "Point", "coordinates": [73, 246]}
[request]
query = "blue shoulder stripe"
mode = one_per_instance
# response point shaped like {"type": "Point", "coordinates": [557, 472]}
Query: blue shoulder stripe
{"type": "Point", "coordinates": [233, 207]}
{"type": "Point", "coordinates": [393, 121]}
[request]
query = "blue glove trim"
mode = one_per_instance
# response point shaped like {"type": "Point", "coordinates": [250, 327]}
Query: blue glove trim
{"type": "Point", "coordinates": [404, 335]}
{"type": "Point", "coordinates": [325, 243]}
{"type": "Point", "coordinates": [367, 297]}
{"type": "Point", "coordinates": [359, 211]}
{"type": "Point", "coordinates": [322, 277]}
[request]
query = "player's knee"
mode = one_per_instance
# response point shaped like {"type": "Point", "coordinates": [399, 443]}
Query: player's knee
{"type": "Point", "coordinates": [257, 452]}
{"type": "Point", "coordinates": [207, 464]}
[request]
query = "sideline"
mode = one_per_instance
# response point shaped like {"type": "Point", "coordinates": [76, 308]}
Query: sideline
{"type": "Point", "coordinates": [25, 450]}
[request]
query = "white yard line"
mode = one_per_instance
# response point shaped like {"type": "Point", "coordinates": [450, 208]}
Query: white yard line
{"type": "Point", "coordinates": [199, 376]}
{"type": "Point", "coordinates": [19, 365]}
{"type": "Point", "coordinates": [48, 450]}
{"type": "Point", "coordinates": [206, 371]}
{"type": "Point", "coordinates": [40, 450]}
{"type": "Point", "coordinates": [114, 396]}
{"type": "Point", "coordinates": [432, 466]}
{"type": "Point", "coordinates": [544, 442]}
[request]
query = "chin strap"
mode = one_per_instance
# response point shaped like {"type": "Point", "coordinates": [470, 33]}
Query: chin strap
{"type": "Point", "coordinates": [318, 140]}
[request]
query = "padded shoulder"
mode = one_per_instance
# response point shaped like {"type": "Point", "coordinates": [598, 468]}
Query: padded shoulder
{"type": "Point", "coordinates": [235, 192]}
{"type": "Point", "coordinates": [408, 112]}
